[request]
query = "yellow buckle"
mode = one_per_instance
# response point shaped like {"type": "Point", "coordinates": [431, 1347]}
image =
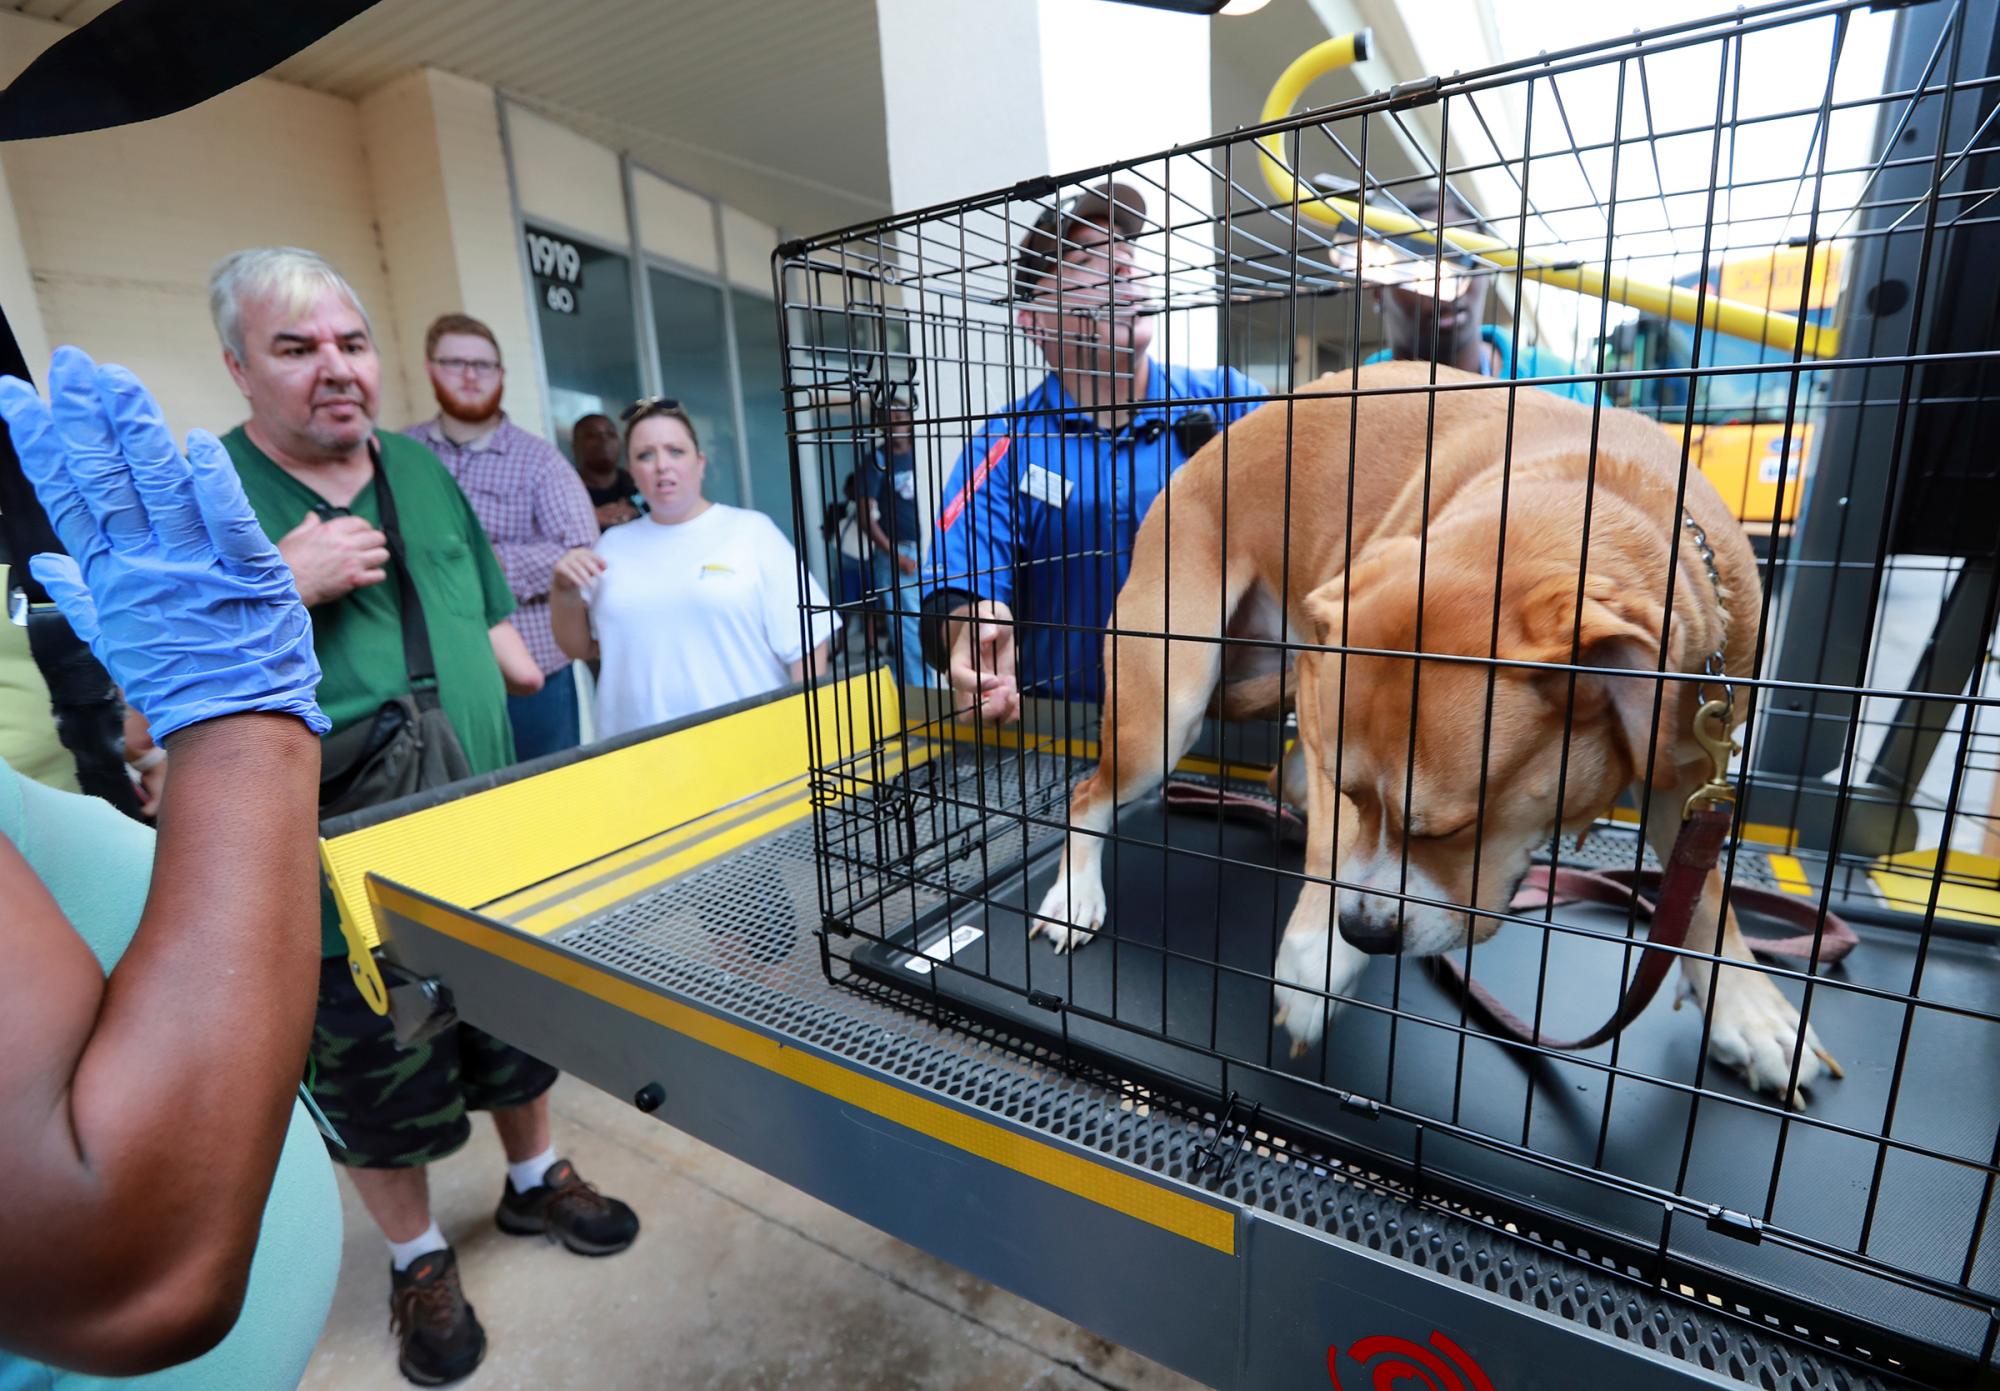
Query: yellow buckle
{"type": "Point", "coordinates": [1711, 731]}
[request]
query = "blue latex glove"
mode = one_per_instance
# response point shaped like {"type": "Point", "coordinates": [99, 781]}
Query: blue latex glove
{"type": "Point", "coordinates": [169, 578]}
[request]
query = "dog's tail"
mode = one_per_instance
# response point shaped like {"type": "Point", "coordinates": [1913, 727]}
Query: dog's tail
{"type": "Point", "coordinates": [1266, 696]}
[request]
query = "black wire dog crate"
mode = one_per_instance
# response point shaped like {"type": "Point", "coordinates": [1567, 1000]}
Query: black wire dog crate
{"type": "Point", "coordinates": [1772, 237]}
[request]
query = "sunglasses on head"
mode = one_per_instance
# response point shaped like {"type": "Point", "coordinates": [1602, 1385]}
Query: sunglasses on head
{"type": "Point", "coordinates": [649, 404]}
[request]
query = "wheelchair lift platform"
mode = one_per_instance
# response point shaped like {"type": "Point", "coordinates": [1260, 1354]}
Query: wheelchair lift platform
{"type": "Point", "coordinates": [647, 914]}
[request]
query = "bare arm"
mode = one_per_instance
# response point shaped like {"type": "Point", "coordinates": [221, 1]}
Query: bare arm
{"type": "Point", "coordinates": [810, 664]}
{"type": "Point", "coordinates": [874, 524]}
{"type": "Point", "coordinates": [140, 1110]}
{"type": "Point", "coordinates": [983, 664]}
{"type": "Point", "coordinates": [569, 606]}
{"type": "Point", "coordinates": [565, 519]}
{"type": "Point", "coordinates": [518, 667]}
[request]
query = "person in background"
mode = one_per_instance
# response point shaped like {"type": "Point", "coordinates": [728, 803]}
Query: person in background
{"type": "Point", "coordinates": [850, 525]}
{"type": "Point", "coordinates": [694, 605]}
{"type": "Point", "coordinates": [600, 456]}
{"type": "Point", "coordinates": [889, 479]}
{"type": "Point", "coordinates": [529, 501]}
{"type": "Point", "coordinates": [298, 343]}
{"type": "Point", "coordinates": [184, 1227]}
{"type": "Point", "coordinates": [1041, 509]}
{"type": "Point", "coordinates": [1432, 307]}
{"type": "Point", "coordinates": [29, 742]}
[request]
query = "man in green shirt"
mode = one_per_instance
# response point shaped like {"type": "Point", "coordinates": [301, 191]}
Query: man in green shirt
{"type": "Point", "coordinates": [299, 345]}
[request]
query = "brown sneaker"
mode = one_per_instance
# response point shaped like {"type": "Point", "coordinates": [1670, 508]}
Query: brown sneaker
{"type": "Point", "coordinates": [441, 1337]}
{"type": "Point", "coordinates": [562, 1207]}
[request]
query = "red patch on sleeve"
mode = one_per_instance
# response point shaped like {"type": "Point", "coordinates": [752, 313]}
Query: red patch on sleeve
{"type": "Point", "coordinates": [956, 506]}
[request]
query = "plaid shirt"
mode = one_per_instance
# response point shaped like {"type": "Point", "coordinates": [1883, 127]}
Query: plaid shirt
{"type": "Point", "coordinates": [533, 506]}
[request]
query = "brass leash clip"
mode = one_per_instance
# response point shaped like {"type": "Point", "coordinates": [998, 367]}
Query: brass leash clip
{"type": "Point", "coordinates": [1711, 731]}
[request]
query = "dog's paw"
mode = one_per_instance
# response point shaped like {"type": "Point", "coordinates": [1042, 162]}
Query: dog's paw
{"type": "Point", "coordinates": [1071, 912]}
{"type": "Point", "coordinates": [1755, 1030]}
{"type": "Point", "coordinates": [1312, 965]}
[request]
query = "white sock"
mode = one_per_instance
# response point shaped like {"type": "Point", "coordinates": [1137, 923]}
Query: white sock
{"type": "Point", "coordinates": [528, 1173]}
{"type": "Point", "coordinates": [401, 1253]}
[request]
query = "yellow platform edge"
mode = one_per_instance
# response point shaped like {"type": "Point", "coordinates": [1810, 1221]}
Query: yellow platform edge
{"type": "Point", "coordinates": [481, 847]}
{"type": "Point", "coordinates": [1157, 1205]}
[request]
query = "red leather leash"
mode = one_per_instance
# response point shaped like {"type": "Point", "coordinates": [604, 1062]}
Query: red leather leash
{"type": "Point", "coordinates": [1668, 897]}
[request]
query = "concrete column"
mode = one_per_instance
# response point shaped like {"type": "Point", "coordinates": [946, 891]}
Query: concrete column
{"type": "Point", "coordinates": [1119, 82]}
{"type": "Point", "coordinates": [979, 97]}
{"type": "Point", "coordinates": [23, 40]}
{"type": "Point", "coordinates": [439, 178]}
{"type": "Point", "coordinates": [17, 287]}
{"type": "Point", "coordinates": [962, 94]}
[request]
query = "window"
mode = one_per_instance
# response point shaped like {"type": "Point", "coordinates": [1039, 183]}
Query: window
{"type": "Point", "coordinates": [694, 370]}
{"type": "Point", "coordinates": [760, 368]}
{"type": "Point", "coordinates": [583, 299]}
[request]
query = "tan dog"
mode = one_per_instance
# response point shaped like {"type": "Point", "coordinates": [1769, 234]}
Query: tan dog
{"type": "Point", "coordinates": [1405, 803]}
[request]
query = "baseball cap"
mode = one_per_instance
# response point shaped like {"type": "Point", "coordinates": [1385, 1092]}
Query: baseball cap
{"type": "Point", "coordinates": [1118, 206]}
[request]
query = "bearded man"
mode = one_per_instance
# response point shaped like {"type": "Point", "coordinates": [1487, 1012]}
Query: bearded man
{"type": "Point", "coordinates": [527, 497]}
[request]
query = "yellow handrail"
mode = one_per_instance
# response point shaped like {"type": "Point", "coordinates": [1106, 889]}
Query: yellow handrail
{"type": "Point", "coordinates": [1733, 317]}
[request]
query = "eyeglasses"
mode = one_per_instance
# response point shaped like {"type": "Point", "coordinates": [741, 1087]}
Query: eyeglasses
{"type": "Point", "coordinates": [651, 405]}
{"type": "Point", "coordinates": [645, 404]}
{"type": "Point", "coordinates": [477, 366]}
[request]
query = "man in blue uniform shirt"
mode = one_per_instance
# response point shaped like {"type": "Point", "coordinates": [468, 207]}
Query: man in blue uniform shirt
{"type": "Point", "coordinates": [1035, 525]}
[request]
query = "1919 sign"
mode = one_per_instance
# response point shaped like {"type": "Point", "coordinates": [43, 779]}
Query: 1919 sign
{"type": "Point", "coordinates": [558, 268]}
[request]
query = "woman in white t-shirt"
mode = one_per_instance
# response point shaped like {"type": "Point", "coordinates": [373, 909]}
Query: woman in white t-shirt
{"type": "Point", "coordinates": [692, 606]}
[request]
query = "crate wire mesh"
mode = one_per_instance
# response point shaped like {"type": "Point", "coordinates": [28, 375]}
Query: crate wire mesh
{"type": "Point", "coordinates": [1831, 168]}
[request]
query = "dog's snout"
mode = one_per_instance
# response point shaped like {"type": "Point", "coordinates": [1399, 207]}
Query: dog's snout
{"type": "Point", "coordinates": [1378, 936]}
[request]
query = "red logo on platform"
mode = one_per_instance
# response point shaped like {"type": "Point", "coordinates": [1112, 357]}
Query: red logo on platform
{"type": "Point", "coordinates": [1400, 1363]}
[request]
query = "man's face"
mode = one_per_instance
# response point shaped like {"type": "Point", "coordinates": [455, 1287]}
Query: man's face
{"type": "Point", "coordinates": [897, 427]}
{"type": "Point", "coordinates": [466, 377]}
{"type": "Point", "coordinates": [595, 442]}
{"type": "Point", "coordinates": [310, 374]}
{"type": "Point", "coordinates": [1096, 286]}
{"type": "Point", "coordinates": [1434, 314]}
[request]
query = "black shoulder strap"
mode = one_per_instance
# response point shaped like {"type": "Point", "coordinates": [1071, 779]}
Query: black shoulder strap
{"type": "Point", "coordinates": [417, 657]}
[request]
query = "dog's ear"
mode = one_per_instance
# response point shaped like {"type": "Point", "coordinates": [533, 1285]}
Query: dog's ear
{"type": "Point", "coordinates": [1332, 606]}
{"type": "Point", "coordinates": [1323, 608]}
{"type": "Point", "coordinates": [1611, 631]}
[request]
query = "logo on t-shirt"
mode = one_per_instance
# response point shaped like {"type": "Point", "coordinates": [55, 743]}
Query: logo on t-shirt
{"type": "Point", "coordinates": [956, 507]}
{"type": "Point", "coordinates": [708, 570]}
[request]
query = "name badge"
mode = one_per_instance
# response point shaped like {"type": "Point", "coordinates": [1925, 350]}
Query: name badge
{"type": "Point", "coordinates": [1045, 485]}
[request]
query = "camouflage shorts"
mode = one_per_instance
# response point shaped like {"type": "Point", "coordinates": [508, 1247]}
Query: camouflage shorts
{"type": "Point", "coordinates": [397, 1107]}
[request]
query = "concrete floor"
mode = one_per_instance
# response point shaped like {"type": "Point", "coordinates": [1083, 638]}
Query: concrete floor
{"type": "Point", "coordinates": [737, 1283]}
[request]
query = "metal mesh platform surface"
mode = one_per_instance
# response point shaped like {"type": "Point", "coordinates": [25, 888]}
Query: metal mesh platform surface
{"type": "Point", "coordinates": [736, 935]}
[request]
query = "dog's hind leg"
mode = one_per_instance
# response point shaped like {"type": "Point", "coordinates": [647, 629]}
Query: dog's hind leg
{"type": "Point", "coordinates": [1155, 692]}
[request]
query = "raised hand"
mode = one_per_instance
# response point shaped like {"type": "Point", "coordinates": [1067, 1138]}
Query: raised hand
{"type": "Point", "coordinates": [169, 579]}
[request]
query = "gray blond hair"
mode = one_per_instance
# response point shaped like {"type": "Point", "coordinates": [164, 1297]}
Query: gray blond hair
{"type": "Point", "coordinates": [288, 274]}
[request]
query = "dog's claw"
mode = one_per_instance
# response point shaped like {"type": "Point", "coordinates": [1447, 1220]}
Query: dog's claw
{"type": "Point", "coordinates": [1756, 1031]}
